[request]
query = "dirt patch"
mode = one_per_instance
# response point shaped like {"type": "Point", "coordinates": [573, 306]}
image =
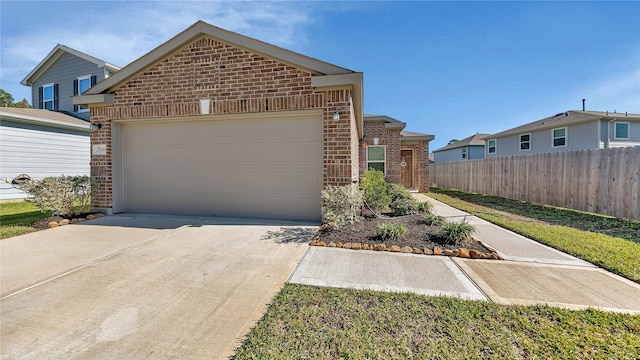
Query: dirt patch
{"type": "Point", "coordinates": [419, 235]}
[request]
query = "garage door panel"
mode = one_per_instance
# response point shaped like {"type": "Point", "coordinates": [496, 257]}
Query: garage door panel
{"type": "Point", "coordinates": [250, 168]}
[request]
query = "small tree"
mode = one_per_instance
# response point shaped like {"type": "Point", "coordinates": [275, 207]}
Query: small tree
{"type": "Point", "coordinates": [65, 195]}
{"type": "Point", "coordinates": [375, 190]}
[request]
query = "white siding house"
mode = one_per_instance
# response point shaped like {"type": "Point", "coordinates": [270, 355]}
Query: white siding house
{"type": "Point", "coordinates": [40, 143]}
{"type": "Point", "coordinates": [571, 130]}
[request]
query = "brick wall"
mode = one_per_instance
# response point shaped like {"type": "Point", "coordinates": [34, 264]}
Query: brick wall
{"type": "Point", "coordinates": [388, 137]}
{"type": "Point", "coordinates": [236, 81]}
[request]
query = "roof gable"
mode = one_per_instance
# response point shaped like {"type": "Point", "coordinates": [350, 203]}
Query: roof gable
{"type": "Point", "coordinates": [201, 29]}
{"type": "Point", "coordinates": [565, 119]}
{"type": "Point", "coordinates": [55, 54]}
{"type": "Point", "coordinates": [473, 140]}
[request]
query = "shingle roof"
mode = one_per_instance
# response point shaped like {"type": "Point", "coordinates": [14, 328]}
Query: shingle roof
{"type": "Point", "coordinates": [564, 119]}
{"type": "Point", "coordinates": [43, 117]}
{"type": "Point", "coordinates": [476, 139]}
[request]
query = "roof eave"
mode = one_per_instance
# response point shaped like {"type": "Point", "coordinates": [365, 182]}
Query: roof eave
{"type": "Point", "coordinates": [94, 99]}
{"type": "Point", "coordinates": [31, 120]}
{"type": "Point", "coordinates": [351, 81]}
{"type": "Point", "coordinates": [418, 138]}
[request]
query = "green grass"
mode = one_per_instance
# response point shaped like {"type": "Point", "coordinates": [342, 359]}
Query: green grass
{"type": "Point", "coordinates": [616, 254]}
{"type": "Point", "coordinates": [16, 218]}
{"type": "Point", "coordinates": [580, 220]}
{"type": "Point", "coordinates": [325, 323]}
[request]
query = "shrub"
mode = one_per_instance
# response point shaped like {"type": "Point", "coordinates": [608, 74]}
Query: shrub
{"type": "Point", "coordinates": [457, 233]}
{"type": "Point", "coordinates": [391, 231]}
{"type": "Point", "coordinates": [433, 219]}
{"type": "Point", "coordinates": [375, 190]}
{"type": "Point", "coordinates": [341, 205]}
{"type": "Point", "coordinates": [402, 203]}
{"type": "Point", "coordinates": [425, 207]}
{"type": "Point", "coordinates": [64, 195]}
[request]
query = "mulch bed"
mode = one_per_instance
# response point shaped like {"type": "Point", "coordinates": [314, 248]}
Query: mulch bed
{"type": "Point", "coordinates": [418, 234]}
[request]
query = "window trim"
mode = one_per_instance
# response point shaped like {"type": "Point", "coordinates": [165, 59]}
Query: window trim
{"type": "Point", "coordinates": [384, 161]}
{"type": "Point", "coordinates": [566, 137]}
{"type": "Point", "coordinates": [495, 146]}
{"type": "Point", "coordinates": [615, 130]}
{"type": "Point", "coordinates": [83, 109]}
{"type": "Point", "coordinates": [464, 153]}
{"type": "Point", "coordinates": [53, 96]}
{"type": "Point", "coordinates": [520, 142]}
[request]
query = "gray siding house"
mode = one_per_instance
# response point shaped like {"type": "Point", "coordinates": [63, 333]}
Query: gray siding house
{"type": "Point", "coordinates": [63, 73]}
{"type": "Point", "coordinates": [570, 130]}
{"type": "Point", "coordinates": [40, 143]}
{"type": "Point", "coordinates": [466, 149]}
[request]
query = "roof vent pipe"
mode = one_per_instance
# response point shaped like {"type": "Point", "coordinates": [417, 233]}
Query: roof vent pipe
{"type": "Point", "coordinates": [583, 104]}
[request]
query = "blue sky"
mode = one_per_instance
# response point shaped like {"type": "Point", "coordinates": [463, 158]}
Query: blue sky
{"type": "Point", "coordinates": [446, 68]}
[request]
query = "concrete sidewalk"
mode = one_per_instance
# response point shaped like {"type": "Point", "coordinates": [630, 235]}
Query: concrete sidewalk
{"type": "Point", "coordinates": [531, 273]}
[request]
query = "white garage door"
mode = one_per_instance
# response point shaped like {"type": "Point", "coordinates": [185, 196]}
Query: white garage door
{"type": "Point", "coordinates": [262, 167]}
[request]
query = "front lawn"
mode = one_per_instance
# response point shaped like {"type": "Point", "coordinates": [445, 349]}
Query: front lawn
{"type": "Point", "coordinates": [325, 323]}
{"type": "Point", "coordinates": [16, 218]}
{"type": "Point", "coordinates": [562, 229]}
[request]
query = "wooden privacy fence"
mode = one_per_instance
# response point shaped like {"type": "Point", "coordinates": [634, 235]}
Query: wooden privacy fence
{"type": "Point", "coordinates": [604, 181]}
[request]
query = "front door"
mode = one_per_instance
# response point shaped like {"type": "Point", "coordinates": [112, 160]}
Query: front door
{"type": "Point", "coordinates": [406, 168]}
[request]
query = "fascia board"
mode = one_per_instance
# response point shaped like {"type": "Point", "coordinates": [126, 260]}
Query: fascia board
{"type": "Point", "coordinates": [94, 99]}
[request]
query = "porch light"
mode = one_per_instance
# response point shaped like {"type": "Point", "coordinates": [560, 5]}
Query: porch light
{"type": "Point", "coordinates": [93, 127]}
{"type": "Point", "coordinates": [375, 141]}
{"type": "Point", "coordinates": [205, 106]}
{"type": "Point", "coordinates": [336, 115]}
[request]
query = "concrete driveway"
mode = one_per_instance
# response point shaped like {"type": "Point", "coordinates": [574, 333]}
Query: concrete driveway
{"type": "Point", "coordinates": [142, 286]}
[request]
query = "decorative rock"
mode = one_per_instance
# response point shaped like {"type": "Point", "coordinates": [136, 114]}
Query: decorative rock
{"type": "Point", "coordinates": [339, 245]}
{"type": "Point", "coordinates": [74, 220]}
{"type": "Point", "coordinates": [453, 252]}
{"type": "Point", "coordinates": [90, 216]}
{"type": "Point", "coordinates": [313, 242]}
{"type": "Point", "coordinates": [417, 251]}
{"type": "Point", "coordinates": [486, 256]}
{"type": "Point", "coordinates": [53, 224]}
{"type": "Point", "coordinates": [321, 243]}
{"type": "Point", "coordinates": [407, 249]}
{"type": "Point", "coordinates": [494, 256]}
{"type": "Point", "coordinates": [427, 251]}
{"type": "Point", "coordinates": [464, 253]}
{"type": "Point", "coordinates": [331, 244]}
{"type": "Point", "coordinates": [394, 248]}
{"type": "Point", "coordinates": [99, 215]}
{"type": "Point", "coordinates": [380, 247]}
{"type": "Point", "coordinates": [346, 245]}
{"type": "Point", "coordinates": [356, 246]}
{"type": "Point", "coordinates": [365, 246]}
{"type": "Point", "coordinates": [437, 250]}
{"type": "Point", "coordinates": [63, 222]}
{"type": "Point", "coordinates": [475, 254]}
{"type": "Point", "coordinates": [81, 219]}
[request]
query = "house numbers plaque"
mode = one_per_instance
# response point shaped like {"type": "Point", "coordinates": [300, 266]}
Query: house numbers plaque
{"type": "Point", "coordinates": [99, 149]}
{"type": "Point", "coordinates": [403, 164]}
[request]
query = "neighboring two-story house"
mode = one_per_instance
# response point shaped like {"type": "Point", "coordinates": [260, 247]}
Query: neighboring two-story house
{"type": "Point", "coordinates": [466, 149]}
{"type": "Point", "coordinates": [570, 130]}
{"type": "Point", "coordinates": [63, 73]}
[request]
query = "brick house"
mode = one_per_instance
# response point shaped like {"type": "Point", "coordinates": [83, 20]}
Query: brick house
{"type": "Point", "coordinates": [215, 123]}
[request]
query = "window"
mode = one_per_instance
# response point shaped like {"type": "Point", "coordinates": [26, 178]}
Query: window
{"type": "Point", "coordinates": [491, 146]}
{"type": "Point", "coordinates": [376, 156]}
{"type": "Point", "coordinates": [48, 97]}
{"type": "Point", "coordinates": [464, 152]}
{"type": "Point", "coordinates": [80, 85]}
{"type": "Point", "coordinates": [525, 142]}
{"type": "Point", "coordinates": [621, 130]}
{"type": "Point", "coordinates": [559, 137]}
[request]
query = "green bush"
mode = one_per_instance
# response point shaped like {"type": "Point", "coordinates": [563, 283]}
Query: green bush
{"type": "Point", "coordinates": [457, 233]}
{"type": "Point", "coordinates": [341, 205]}
{"type": "Point", "coordinates": [433, 219]}
{"type": "Point", "coordinates": [64, 195]}
{"type": "Point", "coordinates": [402, 203]}
{"type": "Point", "coordinates": [391, 231]}
{"type": "Point", "coordinates": [375, 190]}
{"type": "Point", "coordinates": [425, 207]}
